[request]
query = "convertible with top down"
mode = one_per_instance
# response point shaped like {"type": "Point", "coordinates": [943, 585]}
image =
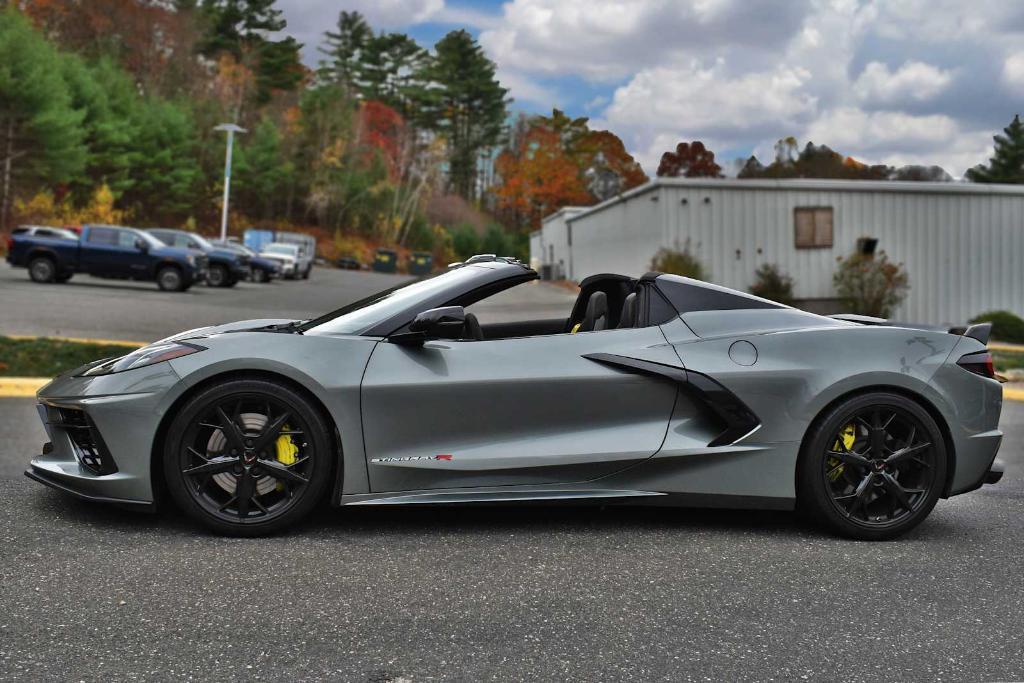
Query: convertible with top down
{"type": "Point", "coordinates": [656, 390]}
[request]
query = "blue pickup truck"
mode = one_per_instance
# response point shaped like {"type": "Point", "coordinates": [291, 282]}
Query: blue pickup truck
{"type": "Point", "coordinates": [106, 251]}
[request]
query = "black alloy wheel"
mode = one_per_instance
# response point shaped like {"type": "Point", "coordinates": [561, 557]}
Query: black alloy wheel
{"type": "Point", "coordinates": [875, 467]}
{"type": "Point", "coordinates": [248, 457]}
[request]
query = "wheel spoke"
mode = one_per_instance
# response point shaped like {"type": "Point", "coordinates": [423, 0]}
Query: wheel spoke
{"type": "Point", "coordinates": [212, 466]}
{"type": "Point", "coordinates": [271, 432]}
{"type": "Point", "coordinates": [896, 490]}
{"type": "Point", "coordinates": [849, 457]}
{"type": "Point", "coordinates": [246, 487]}
{"type": "Point", "coordinates": [231, 432]}
{"type": "Point", "coordinates": [860, 495]}
{"type": "Point", "coordinates": [281, 472]}
{"type": "Point", "coordinates": [907, 453]}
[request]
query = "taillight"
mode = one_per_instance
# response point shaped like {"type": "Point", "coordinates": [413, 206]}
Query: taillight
{"type": "Point", "coordinates": [980, 363]}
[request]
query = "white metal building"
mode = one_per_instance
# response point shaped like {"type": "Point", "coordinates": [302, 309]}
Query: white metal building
{"type": "Point", "coordinates": [962, 244]}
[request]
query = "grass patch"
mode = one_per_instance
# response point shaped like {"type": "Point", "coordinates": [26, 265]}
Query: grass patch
{"type": "Point", "coordinates": [1007, 360]}
{"type": "Point", "coordinates": [44, 357]}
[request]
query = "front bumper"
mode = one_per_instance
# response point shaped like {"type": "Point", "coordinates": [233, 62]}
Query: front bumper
{"type": "Point", "coordinates": [124, 410]}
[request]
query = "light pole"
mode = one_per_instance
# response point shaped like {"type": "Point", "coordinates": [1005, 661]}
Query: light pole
{"type": "Point", "coordinates": [230, 129]}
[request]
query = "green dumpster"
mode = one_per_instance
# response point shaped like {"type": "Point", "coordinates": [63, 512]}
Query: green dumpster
{"type": "Point", "coordinates": [385, 261]}
{"type": "Point", "coordinates": [421, 263]}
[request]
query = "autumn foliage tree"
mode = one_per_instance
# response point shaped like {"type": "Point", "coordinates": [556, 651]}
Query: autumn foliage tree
{"type": "Point", "coordinates": [555, 161]}
{"type": "Point", "coordinates": [689, 160]}
{"type": "Point", "coordinates": [538, 177]}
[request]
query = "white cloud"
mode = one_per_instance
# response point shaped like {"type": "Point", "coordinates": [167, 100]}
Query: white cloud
{"type": "Point", "coordinates": [1013, 72]}
{"type": "Point", "coordinates": [915, 80]}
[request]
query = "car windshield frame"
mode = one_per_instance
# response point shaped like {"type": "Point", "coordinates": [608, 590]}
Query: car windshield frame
{"type": "Point", "coordinates": [388, 311]}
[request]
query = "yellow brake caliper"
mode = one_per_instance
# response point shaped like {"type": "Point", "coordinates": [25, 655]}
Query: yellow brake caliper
{"type": "Point", "coordinates": [846, 438]}
{"type": "Point", "coordinates": [287, 451]}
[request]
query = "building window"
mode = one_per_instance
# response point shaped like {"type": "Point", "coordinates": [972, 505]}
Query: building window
{"type": "Point", "coordinates": [813, 226]}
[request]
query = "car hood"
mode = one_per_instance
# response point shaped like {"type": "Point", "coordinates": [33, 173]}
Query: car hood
{"type": "Point", "coordinates": [223, 254]}
{"type": "Point", "coordinates": [239, 326]}
{"type": "Point", "coordinates": [174, 252]}
{"type": "Point", "coordinates": [278, 257]}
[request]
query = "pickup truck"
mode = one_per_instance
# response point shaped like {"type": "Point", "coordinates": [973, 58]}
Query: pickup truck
{"type": "Point", "coordinates": [106, 251]}
{"type": "Point", "coordinates": [225, 268]}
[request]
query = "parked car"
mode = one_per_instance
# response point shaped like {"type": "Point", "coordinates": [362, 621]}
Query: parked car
{"type": "Point", "coordinates": [226, 267]}
{"type": "Point", "coordinates": [106, 251]}
{"type": "Point", "coordinates": [261, 269]}
{"type": "Point", "coordinates": [348, 263]}
{"type": "Point", "coordinates": [261, 239]}
{"type": "Point", "coordinates": [405, 398]}
{"type": "Point", "coordinates": [297, 265]}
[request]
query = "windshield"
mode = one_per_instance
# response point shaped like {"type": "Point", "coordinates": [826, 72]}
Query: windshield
{"type": "Point", "coordinates": [286, 249]}
{"type": "Point", "coordinates": [362, 315]}
{"type": "Point", "coordinates": [153, 242]}
{"type": "Point", "coordinates": [203, 243]}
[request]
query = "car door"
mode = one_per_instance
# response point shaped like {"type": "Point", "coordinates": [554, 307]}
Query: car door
{"type": "Point", "coordinates": [523, 411]}
{"type": "Point", "coordinates": [109, 252]}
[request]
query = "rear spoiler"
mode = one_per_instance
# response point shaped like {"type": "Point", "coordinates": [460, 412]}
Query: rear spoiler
{"type": "Point", "coordinates": [979, 331]}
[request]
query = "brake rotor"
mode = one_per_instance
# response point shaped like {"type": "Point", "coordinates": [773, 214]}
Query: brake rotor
{"type": "Point", "coordinates": [252, 425]}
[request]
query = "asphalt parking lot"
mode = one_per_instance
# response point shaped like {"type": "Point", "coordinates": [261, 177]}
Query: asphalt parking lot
{"type": "Point", "coordinates": [506, 593]}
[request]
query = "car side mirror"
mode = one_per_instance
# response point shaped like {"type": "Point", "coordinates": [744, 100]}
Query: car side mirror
{"type": "Point", "coordinates": [141, 245]}
{"type": "Point", "coordinates": [446, 322]}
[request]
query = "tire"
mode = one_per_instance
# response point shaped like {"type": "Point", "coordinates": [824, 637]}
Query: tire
{"type": "Point", "coordinates": [277, 500]}
{"type": "Point", "coordinates": [305, 276]}
{"type": "Point", "coordinates": [217, 276]}
{"type": "Point", "coordinates": [61, 279]}
{"type": "Point", "coordinates": [42, 269]}
{"type": "Point", "coordinates": [872, 467]}
{"type": "Point", "coordinates": [259, 275]}
{"type": "Point", "coordinates": [169, 279]}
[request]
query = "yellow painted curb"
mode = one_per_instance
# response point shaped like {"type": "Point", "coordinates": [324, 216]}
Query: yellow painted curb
{"type": "Point", "coordinates": [21, 387]}
{"type": "Point", "coordinates": [1013, 394]}
{"type": "Point", "coordinates": [79, 340]}
{"type": "Point", "coordinates": [1011, 348]}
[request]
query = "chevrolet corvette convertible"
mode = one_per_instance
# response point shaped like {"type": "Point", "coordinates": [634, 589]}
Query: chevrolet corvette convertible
{"type": "Point", "coordinates": [658, 390]}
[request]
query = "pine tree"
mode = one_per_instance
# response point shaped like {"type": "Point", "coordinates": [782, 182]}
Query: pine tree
{"type": "Point", "coordinates": [1007, 163]}
{"type": "Point", "coordinates": [40, 131]}
{"type": "Point", "coordinates": [344, 49]}
{"type": "Point", "coordinates": [467, 106]}
{"type": "Point", "coordinates": [240, 27]}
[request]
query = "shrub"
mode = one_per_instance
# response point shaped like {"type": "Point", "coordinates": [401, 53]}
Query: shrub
{"type": "Point", "coordinates": [465, 241]}
{"type": "Point", "coordinates": [678, 262]}
{"type": "Point", "coordinates": [870, 285]}
{"type": "Point", "coordinates": [1005, 325]}
{"type": "Point", "coordinates": [772, 283]}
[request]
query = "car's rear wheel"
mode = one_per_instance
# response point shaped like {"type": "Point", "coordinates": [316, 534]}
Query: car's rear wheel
{"type": "Point", "coordinates": [259, 275]}
{"type": "Point", "coordinates": [169, 279]}
{"type": "Point", "coordinates": [248, 457]}
{"type": "Point", "coordinates": [42, 269]}
{"type": "Point", "coordinates": [873, 467]}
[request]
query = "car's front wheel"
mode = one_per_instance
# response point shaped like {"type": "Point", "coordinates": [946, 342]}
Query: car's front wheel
{"type": "Point", "coordinates": [169, 279]}
{"type": "Point", "coordinates": [248, 457]}
{"type": "Point", "coordinates": [872, 467]}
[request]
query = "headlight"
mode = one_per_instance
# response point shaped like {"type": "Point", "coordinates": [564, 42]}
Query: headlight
{"type": "Point", "coordinates": [147, 355]}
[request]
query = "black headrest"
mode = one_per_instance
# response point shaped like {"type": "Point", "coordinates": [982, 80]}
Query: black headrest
{"type": "Point", "coordinates": [596, 317]}
{"type": "Point", "coordinates": [628, 316]}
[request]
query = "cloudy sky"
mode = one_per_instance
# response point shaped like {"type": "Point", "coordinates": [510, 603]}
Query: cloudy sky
{"type": "Point", "coordinates": [887, 81]}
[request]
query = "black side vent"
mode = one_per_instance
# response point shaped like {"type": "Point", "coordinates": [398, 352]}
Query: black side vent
{"type": "Point", "coordinates": [92, 452]}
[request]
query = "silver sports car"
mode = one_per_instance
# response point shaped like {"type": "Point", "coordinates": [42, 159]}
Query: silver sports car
{"type": "Point", "coordinates": [658, 390]}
